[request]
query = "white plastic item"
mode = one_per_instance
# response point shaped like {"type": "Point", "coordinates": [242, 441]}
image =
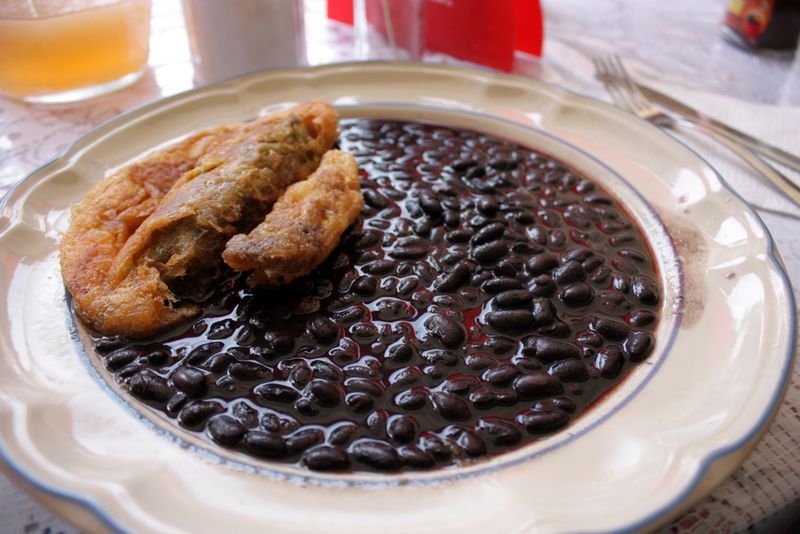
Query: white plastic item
{"type": "Point", "coordinates": [232, 38]}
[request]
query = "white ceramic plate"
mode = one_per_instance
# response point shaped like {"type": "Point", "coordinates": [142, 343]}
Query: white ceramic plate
{"type": "Point", "coordinates": [676, 427]}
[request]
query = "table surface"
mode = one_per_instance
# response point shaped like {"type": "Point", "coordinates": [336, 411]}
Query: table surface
{"type": "Point", "coordinates": [671, 42]}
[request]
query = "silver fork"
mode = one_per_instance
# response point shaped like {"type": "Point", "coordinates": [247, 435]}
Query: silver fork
{"type": "Point", "coordinates": [626, 94]}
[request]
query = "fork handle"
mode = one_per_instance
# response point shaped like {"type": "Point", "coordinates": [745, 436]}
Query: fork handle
{"type": "Point", "coordinates": [785, 185]}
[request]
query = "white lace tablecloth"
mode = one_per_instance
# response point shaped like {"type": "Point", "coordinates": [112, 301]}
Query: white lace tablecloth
{"type": "Point", "coordinates": [675, 45]}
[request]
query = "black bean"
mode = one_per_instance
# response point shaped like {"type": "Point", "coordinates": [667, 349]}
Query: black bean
{"type": "Point", "coordinates": [479, 362]}
{"type": "Point", "coordinates": [451, 280]}
{"type": "Point", "coordinates": [359, 402]}
{"type": "Point", "coordinates": [415, 457]}
{"type": "Point", "coordinates": [304, 439]}
{"type": "Point", "coordinates": [600, 275]}
{"type": "Point", "coordinates": [537, 385]}
{"type": "Point", "coordinates": [105, 345]}
{"type": "Point", "coordinates": [265, 444]}
{"type": "Point", "coordinates": [366, 285]}
{"type": "Point", "coordinates": [323, 329]}
{"type": "Point", "coordinates": [326, 371]}
{"type": "Point", "coordinates": [412, 399]}
{"type": "Point", "coordinates": [499, 344]}
{"type": "Point", "coordinates": [300, 375]}
{"type": "Point", "coordinates": [611, 330]}
{"type": "Point", "coordinates": [589, 339]}
{"type": "Point", "coordinates": [409, 253]}
{"type": "Point", "coordinates": [407, 285]}
{"type": "Point", "coordinates": [375, 199]}
{"type": "Point", "coordinates": [276, 393]}
{"type": "Point", "coordinates": [377, 454]}
{"type": "Point", "coordinates": [510, 267]}
{"type": "Point", "coordinates": [369, 238]}
{"type": "Point", "coordinates": [350, 315]}
{"type": "Point", "coordinates": [202, 352]}
{"type": "Point", "coordinates": [488, 205]}
{"type": "Point", "coordinates": [496, 285]}
{"type": "Point", "coordinates": [543, 311]}
{"type": "Point", "coordinates": [502, 433]}
{"type": "Point", "coordinates": [435, 446]}
{"type": "Point", "coordinates": [500, 375]}
{"type": "Point", "coordinates": [471, 443]}
{"type": "Point", "coordinates": [441, 357]}
{"type": "Point", "coordinates": [569, 272]}
{"type": "Point", "coordinates": [402, 428]}
{"type": "Point", "coordinates": [475, 172]}
{"type": "Point", "coordinates": [569, 371]}
{"type": "Point", "coordinates": [325, 458]}
{"type": "Point", "coordinates": [191, 381]}
{"type": "Point", "coordinates": [458, 236]}
{"type": "Point", "coordinates": [490, 232]}
{"type": "Point", "coordinates": [342, 434]}
{"type": "Point", "coordinates": [578, 254]}
{"type": "Point", "coordinates": [402, 352]}
{"type": "Point", "coordinates": [450, 406]}
{"type": "Point", "coordinates": [379, 267]}
{"type": "Point", "coordinates": [150, 387]}
{"type": "Point", "coordinates": [645, 290]}
{"type": "Point", "coordinates": [621, 238]}
{"type": "Point", "coordinates": [404, 377]}
{"type": "Point", "coordinates": [525, 218]}
{"type": "Point", "coordinates": [371, 387]}
{"type": "Point", "coordinates": [221, 329]}
{"type": "Point", "coordinates": [430, 205]}
{"type": "Point", "coordinates": [324, 392]}
{"type": "Point", "coordinates": [450, 333]}
{"type": "Point", "coordinates": [490, 252]}
{"type": "Point", "coordinates": [280, 343]}
{"type": "Point", "coordinates": [638, 345]}
{"type": "Point", "coordinates": [577, 294]}
{"type": "Point", "coordinates": [542, 421]}
{"type": "Point", "coordinates": [591, 264]}
{"type": "Point", "coordinates": [549, 349]}
{"type": "Point", "coordinates": [641, 318]}
{"type": "Point", "coordinates": [597, 198]}
{"type": "Point", "coordinates": [120, 358]}
{"type": "Point", "coordinates": [502, 164]}
{"type": "Point", "coordinates": [364, 332]}
{"type": "Point", "coordinates": [543, 286]}
{"type": "Point", "coordinates": [248, 371]}
{"type": "Point", "coordinates": [510, 320]}
{"type": "Point", "coordinates": [514, 298]}
{"type": "Point", "coordinates": [197, 412]}
{"type": "Point", "coordinates": [175, 403]}
{"type": "Point", "coordinates": [225, 430]}
{"type": "Point", "coordinates": [482, 398]}
{"type": "Point", "coordinates": [541, 264]}
{"type": "Point", "coordinates": [463, 164]}
{"type": "Point", "coordinates": [609, 362]}
{"type": "Point", "coordinates": [557, 329]}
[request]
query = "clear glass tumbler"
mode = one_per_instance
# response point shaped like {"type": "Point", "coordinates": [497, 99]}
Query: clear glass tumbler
{"type": "Point", "coordinates": [58, 51]}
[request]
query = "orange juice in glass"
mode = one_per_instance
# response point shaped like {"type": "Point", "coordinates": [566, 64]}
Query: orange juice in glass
{"type": "Point", "coordinates": [66, 50]}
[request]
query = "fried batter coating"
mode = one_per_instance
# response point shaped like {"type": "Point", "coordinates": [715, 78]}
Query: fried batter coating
{"type": "Point", "coordinates": [304, 226]}
{"type": "Point", "coordinates": [140, 265]}
{"type": "Point", "coordinates": [109, 214]}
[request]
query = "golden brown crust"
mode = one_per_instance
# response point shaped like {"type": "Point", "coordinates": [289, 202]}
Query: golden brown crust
{"type": "Point", "coordinates": [304, 226]}
{"type": "Point", "coordinates": [139, 232]}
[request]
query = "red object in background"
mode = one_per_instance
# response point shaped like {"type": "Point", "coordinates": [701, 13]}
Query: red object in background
{"type": "Point", "coordinates": [487, 33]}
{"type": "Point", "coordinates": [341, 10]}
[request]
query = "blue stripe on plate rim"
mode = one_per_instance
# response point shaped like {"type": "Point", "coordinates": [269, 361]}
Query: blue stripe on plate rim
{"type": "Point", "coordinates": [92, 506]}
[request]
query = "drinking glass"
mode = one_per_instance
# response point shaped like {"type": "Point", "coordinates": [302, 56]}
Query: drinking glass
{"type": "Point", "coordinates": [62, 51]}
